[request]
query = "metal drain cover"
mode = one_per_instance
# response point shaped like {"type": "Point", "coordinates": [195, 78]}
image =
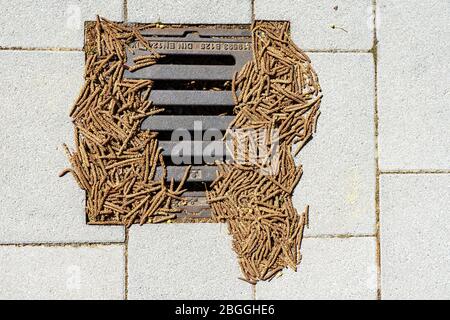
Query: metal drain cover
{"type": "Point", "coordinates": [193, 85]}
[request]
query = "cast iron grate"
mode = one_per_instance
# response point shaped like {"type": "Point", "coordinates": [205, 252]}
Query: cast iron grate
{"type": "Point", "coordinates": [192, 82]}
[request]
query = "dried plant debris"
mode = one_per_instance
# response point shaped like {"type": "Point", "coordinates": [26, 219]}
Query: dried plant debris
{"type": "Point", "coordinates": [278, 91]}
{"type": "Point", "coordinates": [116, 163]}
{"type": "Point", "coordinates": [113, 161]}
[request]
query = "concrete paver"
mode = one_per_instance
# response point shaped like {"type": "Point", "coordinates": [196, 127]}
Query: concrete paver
{"type": "Point", "coordinates": [415, 236]}
{"type": "Point", "coordinates": [38, 272]}
{"type": "Point", "coordinates": [38, 89]}
{"type": "Point", "coordinates": [183, 261]}
{"type": "Point", "coordinates": [338, 181]}
{"type": "Point", "coordinates": [322, 24]}
{"type": "Point", "coordinates": [413, 84]}
{"type": "Point", "coordinates": [196, 11]}
{"type": "Point", "coordinates": [331, 268]}
{"type": "Point", "coordinates": [52, 23]}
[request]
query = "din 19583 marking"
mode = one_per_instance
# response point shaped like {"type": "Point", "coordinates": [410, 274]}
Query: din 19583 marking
{"type": "Point", "coordinates": [200, 46]}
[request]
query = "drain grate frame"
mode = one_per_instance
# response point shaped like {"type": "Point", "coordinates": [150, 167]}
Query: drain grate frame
{"type": "Point", "coordinates": [208, 56]}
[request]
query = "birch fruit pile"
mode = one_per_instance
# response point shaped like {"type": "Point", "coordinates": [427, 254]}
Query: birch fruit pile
{"type": "Point", "coordinates": [114, 161]}
{"type": "Point", "coordinates": [278, 93]}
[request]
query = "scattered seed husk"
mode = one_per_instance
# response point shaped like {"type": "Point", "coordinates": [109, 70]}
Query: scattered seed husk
{"type": "Point", "coordinates": [113, 161]}
{"type": "Point", "coordinates": [279, 91]}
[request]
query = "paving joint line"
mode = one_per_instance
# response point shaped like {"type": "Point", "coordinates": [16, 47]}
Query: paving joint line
{"type": "Point", "coordinates": [63, 49]}
{"type": "Point", "coordinates": [62, 244]}
{"type": "Point", "coordinates": [337, 51]}
{"type": "Point", "coordinates": [126, 264]}
{"type": "Point", "coordinates": [420, 171]}
{"type": "Point", "coordinates": [57, 49]}
{"type": "Point", "coordinates": [125, 242]}
{"type": "Point", "coordinates": [125, 10]}
{"type": "Point", "coordinates": [374, 52]}
{"type": "Point", "coordinates": [340, 236]}
{"type": "Point", "coordinates": [253, 10]}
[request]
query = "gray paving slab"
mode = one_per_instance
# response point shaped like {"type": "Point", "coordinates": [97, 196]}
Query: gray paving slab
{"type": "Point", "coordinates": [194, 11]}
{"type": "Point", "coordinates": [331, 268]}
{"type": "Point", "coordinates": [183, 261]}
{"type": "Point", "coordinates": [52, 23]}
{"type": "Point", "coordinates": [338, 163]}
{"type": "Point", "coordinates": [413, 84]}
{"type": "Point", "coordinates": [415, 236]}
{"type": "Point", "coordinates": [323, 24]}
{"type": "Point", "coordinates": [55, 272]}
{"type": "Point", "coordinates": [37, 90]}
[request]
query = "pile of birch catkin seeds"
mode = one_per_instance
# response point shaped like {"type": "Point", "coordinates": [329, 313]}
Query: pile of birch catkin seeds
{"type": "Point", "coordinates": [277, 93]}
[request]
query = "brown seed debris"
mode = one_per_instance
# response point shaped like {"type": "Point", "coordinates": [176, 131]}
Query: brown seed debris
{"type": "Point", "coordinates": [113, 161]}
{"type": "Point", "coordinates": [279, 91]}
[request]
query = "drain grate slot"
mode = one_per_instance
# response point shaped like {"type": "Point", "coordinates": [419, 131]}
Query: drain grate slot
{"type": "Point", "coordinates": [185, 72]}
{"type": "Point", "coordinates": [196, 109]}
{"type": "Point", "coordinates": [192, 82]}
{"type": "Point", "coordinates": [189, 123]}
{"type": "Point", "coordinates": [210, 85]}
{"type": "Point", "coordinates": [191, 97]}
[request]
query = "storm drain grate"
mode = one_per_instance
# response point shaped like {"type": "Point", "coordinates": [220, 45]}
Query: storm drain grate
{"type": "Point", "coordinates": [192, 82]}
